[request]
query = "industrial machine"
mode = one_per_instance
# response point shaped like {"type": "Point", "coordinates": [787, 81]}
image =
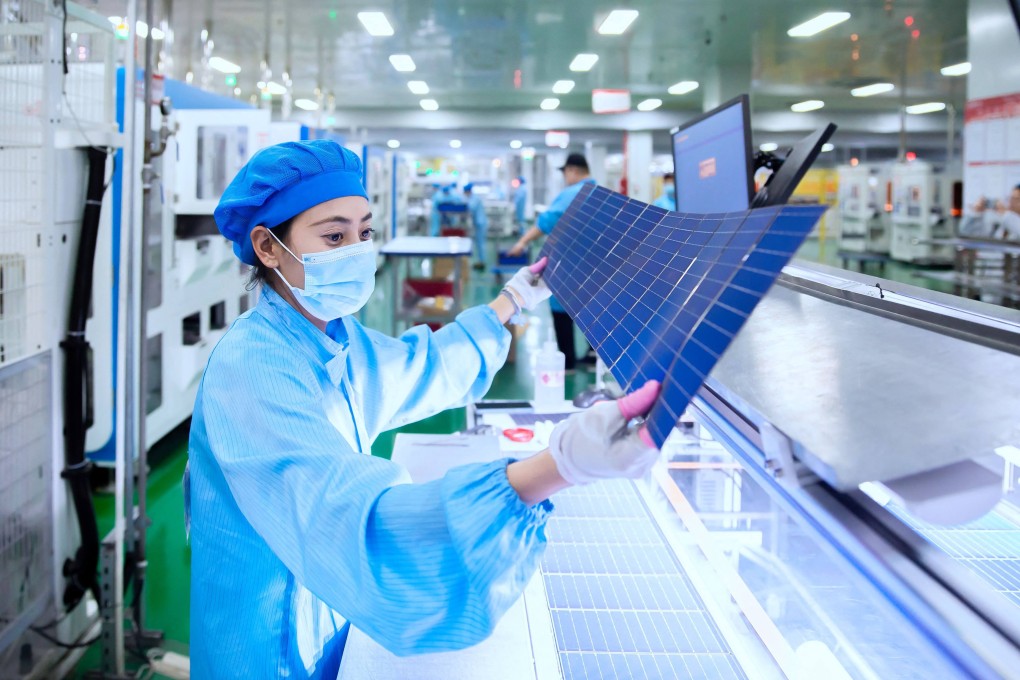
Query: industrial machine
{"type": "Point", "coordinates": [864, 206]}
{"type": "Point", "coordinates": [920, 213]}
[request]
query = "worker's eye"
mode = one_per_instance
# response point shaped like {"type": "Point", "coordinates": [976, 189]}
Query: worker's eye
{"type": "Point", "coordinates": [335, 238]}
{"type": "Point", "coordinates": [366, 234]}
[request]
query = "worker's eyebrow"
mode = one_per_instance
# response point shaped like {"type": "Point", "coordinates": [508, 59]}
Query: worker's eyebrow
{"type": "Point", "coordinates": [340, 219]}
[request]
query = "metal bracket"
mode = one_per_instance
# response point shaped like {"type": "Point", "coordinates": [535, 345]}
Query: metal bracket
{"type": "Point", "coordinates": [779, 460]}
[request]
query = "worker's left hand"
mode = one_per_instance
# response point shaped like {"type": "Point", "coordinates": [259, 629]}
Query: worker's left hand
{"type": "Point", "coordinates": [596, 444]}
{"type": "Point", "coordinates": [528, 287]}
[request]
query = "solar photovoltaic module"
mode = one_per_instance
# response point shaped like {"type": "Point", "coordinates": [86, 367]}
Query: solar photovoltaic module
{"type": "Point", "coordinates": [660, 295]}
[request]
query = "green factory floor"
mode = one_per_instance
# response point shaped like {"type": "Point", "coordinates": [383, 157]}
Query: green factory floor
{"type": "Point", "coordinates": [169, 576]}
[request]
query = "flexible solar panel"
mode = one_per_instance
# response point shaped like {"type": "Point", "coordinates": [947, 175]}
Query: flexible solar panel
{"type": "Point", "coordinates": [660, 295]}
{"type": "Point", "coordinates": [621, 604]}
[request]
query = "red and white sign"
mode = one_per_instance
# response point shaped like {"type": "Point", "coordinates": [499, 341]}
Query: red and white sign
{"type": "Point", "coordinates": [557, 138]}
{"type": "Point", "coordinates": [991, 149]}
{"type": "Point", "coordinates": [610, 101]}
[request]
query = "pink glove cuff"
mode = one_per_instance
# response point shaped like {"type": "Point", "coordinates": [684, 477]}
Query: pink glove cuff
{"type": "Point", "coordinates": [639, 402]}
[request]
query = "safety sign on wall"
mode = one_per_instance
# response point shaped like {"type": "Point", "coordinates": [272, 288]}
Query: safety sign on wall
{"type": "Point", "coordinates": [991, 149]}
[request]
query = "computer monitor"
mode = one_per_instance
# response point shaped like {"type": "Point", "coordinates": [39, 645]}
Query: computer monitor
{"type": "Point", "coordinates": [784, 181]}
{"type": "Point", "coordinates": [712, 160]}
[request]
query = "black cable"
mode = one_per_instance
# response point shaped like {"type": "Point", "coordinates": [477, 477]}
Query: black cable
{"type": "Point", "coordinates": [64, 51]}
{"type": "Point", "coordinates": [66, 645]}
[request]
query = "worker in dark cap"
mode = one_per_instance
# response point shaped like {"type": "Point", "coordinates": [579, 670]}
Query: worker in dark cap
{"type": "Point", "coordinates": [576, 174]}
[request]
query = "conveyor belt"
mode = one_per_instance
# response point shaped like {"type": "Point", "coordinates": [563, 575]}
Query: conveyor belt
{"type": "Point", "coordinates": [621, 604]}
{"type": "Point", "coordinates": [988, 547]}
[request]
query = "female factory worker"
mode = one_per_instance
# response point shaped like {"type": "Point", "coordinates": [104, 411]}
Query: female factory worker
{"type": "Point", "coordinates": [295, 532]}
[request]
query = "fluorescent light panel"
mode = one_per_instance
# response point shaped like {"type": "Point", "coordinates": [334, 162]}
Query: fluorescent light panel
{"type": "Point", "coordinates": [393, 144]}
{"type": "Point", "coordinates": [872, 90]}
{"type": "Point", "coordinates": [516, 144]}
{"type": "Point", "coordinates": [809, 105]}
{"type": "Point", "coordinates": [583, 62]}
{"type": "Point", "coordinates": [683, 87]}
{"type": "Point", "coordinates": [376, 24]}
{"type": "Point", "coordinates": [769, 146]}
{"type": "Point", "coordinates": [418, 86]}
{"type": "Point", "coordinates": [618, 21]}
{"type": "Point", "coordinates": [649, 104]}
{"type": "Point", "coordinates": [563, 86]}
{"type": "Point", "coordinates": [927, 107]}
{"type": "Point", "coordinates": [455, 144]}
{"type": "Point", "coordinates": [402, 62]}
{"type": "Point", "coordinates": [275, 88]}
{"type": "Point", "coordinates": [549, 104]}
{"type": "Point", "coordinates": [828, 147]}
{"type": "Point", "coordinates": [306, 104]}
{"type": "Point", "coordinates": [429, 104]}
{"type": "Point", "coordinates": [223, 66]}
{"type": "Point", "coordinates": [820, 23]}
{"type": "Point", "coordinates": [960, 69]}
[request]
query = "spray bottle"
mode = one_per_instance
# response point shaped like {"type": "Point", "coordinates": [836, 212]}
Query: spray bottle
{"type": "Point", "coordinates": [549, 377]}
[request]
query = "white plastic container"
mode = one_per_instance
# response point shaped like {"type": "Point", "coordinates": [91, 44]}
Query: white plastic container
{"type": "Point", "coordinates": [549, 377]}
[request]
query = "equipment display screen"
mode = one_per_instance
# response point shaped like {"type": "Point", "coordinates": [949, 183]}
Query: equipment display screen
{"type": "Point", "coordinates": [711, 161]}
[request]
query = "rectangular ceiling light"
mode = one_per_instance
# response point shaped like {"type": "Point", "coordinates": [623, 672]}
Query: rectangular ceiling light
{"type": "Point", "coordinates": [275, 88]}
{"type": "Point", "coordinates": [683, 87]}
{"type": "Point", "coordinates": [402, 62]}
{"type": "Point", "coordinates": [872, 90]}
{"type": "Point", "coordinates": [809, 105]}
{"type": "Point", "coordinates": [549, 104]}
{"type": "Point", "coordinates": [827, 147]}
{"type": "Point", "coordinates": [563, 86]}
{"type": "Point", "coordinates": [430, 104]}
{"type": "Point", "coordinates": [306, 104]}
{"type": "Point", "coordinates": [960, 69]}
{"type": "Point", "coordinates": [418, 86]}
{"type": "Point", "coordinates": [818, 24]}
{"type": "Point", "coordinates": [223, 66]}
{"type": "Point", "coordinates": [583, 62]}
{"type": "Point", "coordinates": [649, 105]}
{"type": "Point", "coordinates": [375, 23]}
{"type": "Point", "coordinates": [928, 107]}
{"type": "Point", "coordinates": [618, 21]}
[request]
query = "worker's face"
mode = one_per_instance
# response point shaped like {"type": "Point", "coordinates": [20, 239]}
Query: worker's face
{"type": "Point", "coordinates": [572, 175]}
{"type": "Point", "coordinates": [334, 224]}
{"type": "Point", "coordinates": [1014, 201]}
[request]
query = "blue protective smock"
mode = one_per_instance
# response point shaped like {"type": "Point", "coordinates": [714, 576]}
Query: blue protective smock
{"type": "Point", "coordinates": [666, 202]}
{"type": "Point", "coordinates": [476, 207]}
{"type": "Point", "coordinates": [295, 531]}
{"type": "Point", "coordinates": [548, 219]}
{"type": "Point", "coordinates": [520, 202]}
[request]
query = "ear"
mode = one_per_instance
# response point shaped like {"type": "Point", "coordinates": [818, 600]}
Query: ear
{"type": "Point", "coordinates": [264, 246]}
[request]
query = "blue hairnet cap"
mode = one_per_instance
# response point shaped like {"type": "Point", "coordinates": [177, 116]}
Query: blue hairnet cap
{"type": "Point", "coordinates": [521, 179]}
{"type": "Point", "coordinates": [469, 186]}
{"type": "Point", "coordinates": [282, 181]}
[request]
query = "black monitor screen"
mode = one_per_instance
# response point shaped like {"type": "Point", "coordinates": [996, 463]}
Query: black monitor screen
{"type": "Point", "coordinates": [712, 160]}
{"type": "Point", "coordinates": [781, 185]}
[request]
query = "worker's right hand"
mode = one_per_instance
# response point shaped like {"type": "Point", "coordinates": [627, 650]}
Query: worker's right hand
{"type": "Point", "coordinates": [517, 250]}
{"type": "Point", "coordinates": [528, 287]}
{"type": "Point", "coordinates": [595, 444]}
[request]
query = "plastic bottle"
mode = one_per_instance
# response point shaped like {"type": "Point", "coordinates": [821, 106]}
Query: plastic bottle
{"type": "Point", "coordinates": [549, 377]}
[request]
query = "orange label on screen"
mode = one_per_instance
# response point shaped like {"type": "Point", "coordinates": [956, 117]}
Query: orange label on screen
{"type": "Point", "coordinates": [706, 168]}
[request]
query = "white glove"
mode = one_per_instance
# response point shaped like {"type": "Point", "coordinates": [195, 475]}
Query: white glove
{"type": "Point", "coordinates": [527, 286]}
{"type": "Point", "coordinates": [588, 446]}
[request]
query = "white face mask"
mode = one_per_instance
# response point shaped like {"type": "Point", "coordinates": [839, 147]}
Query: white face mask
{"type": "Point", "coordinates": [338, 282]}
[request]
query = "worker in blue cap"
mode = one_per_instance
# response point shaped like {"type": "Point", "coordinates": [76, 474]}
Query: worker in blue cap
{"type": "Point", "coordinates": [667, 200]}
{"type": "Point", "coordinates": [296, 531]}
{"type": "Point", "coordinates": [520, 202]}
{"type": "Point", "coordinates": [444, 196]}
{"type": "Point", "coordinates": [476, 208]}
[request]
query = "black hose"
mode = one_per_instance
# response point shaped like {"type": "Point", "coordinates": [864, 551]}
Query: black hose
{"type": "Point", "coordinates": [81, 572]}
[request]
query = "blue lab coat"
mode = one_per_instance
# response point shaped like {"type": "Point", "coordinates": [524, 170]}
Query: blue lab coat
{"type": "Point", "coordinates": [297, 531]}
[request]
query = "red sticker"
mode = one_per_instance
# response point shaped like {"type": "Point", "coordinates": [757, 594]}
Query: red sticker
{"type": "Point", "coordinates": [520, 435]}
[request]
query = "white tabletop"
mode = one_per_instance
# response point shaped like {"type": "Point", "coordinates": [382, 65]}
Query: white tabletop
{"type": "Point", "coordinates": [427, 246]}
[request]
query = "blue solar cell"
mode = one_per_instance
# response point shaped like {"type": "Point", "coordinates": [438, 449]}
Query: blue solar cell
{"type": "Point", "coordinates": [641, 281]}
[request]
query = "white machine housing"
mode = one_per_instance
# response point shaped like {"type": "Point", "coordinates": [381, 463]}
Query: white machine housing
{"type": "Point", "coordinates": [920, 213]}
{"type": "Point", "coordinates": [864, 214]}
